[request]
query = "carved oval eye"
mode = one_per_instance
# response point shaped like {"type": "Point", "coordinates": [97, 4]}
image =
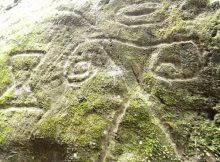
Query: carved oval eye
{"type": "Point", "coordinates": [176, 61]}
{"type": "Point", "coordinates": [139, 10]}
{"type": "Point", "coordinates": [138, 14]}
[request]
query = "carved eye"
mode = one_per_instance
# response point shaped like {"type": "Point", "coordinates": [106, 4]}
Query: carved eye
{"type": "Point", "coordinates": [176, 62]}
{"type": "Point", "coordinates": [140, 10]}
{"type": "Point", "coordinates": [84, 63]}
{"type": "Point", "coordinates": [138, 14]}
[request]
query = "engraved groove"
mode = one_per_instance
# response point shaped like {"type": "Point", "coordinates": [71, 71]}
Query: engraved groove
{"type": "Point", "coordinates": [21, 65]}
{"type": "Point", "coordinates": [84, 62]}
{"type": "Point", "coordinates": [138, 14]}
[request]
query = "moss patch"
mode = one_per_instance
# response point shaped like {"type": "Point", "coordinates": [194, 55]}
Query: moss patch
{"type": "Point", "coordinates": [140, 137]}
{"type": "Point", "coordinates": [4, 72]}
{"type": "Point", "coordinates": [5, 131]}
{"type": "Point", "coordinates": [172, 25]}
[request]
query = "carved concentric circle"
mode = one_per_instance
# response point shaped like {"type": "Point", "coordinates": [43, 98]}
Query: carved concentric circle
{"type": "Point", "coordinates": [84, 63]}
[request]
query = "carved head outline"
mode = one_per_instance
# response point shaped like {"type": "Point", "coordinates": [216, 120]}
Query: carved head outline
{"type": "Point", "coordinates": [84, 63]}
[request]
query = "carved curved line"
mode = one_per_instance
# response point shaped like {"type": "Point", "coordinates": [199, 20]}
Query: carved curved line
{"type": "Point", "coordinates": [139, 9]}
{"type": "Point", "coordinates": [89, 75]}
{"type": "Point", "coordinates": [78, 77]}
{"type": "Point", "coordinates": [98, 40]}
{"type": "Point", "coordinates": [131, 44]}
{"type": "Point", "coordinates": [23, 109]}
{"type": "Point", "coordinates": [139, 24]}
{"type": "Point", "coordinates": [138, 14]}
{"type": "Point", "coordinates": [175, 80]}
{"type": "Point", "coordinates": [27, 52]}
{"type": "Point", "coordinates": [146, 98]}
{"type": "Point", "coordinates": [109, 40]}
{"type": "Point", "coordinates": [78, 84]}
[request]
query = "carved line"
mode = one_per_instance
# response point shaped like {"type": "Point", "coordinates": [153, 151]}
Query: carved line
{"type": "Point", "coordinates": [174, 80]}
{"type": "Point", "coordinates": [139, 24]}
{"type": "Point", "coordinates": [23, 109]}
{"type": "Point", "coordinates": [139, 9]}
{"type": "Point", "coordinates": [146, 98]}
{"type": "Point", "coordinates": [27, 52]}
{"type": "Point", "coordinates": [56, 57]}
{"type": "Point", "coordinates": [134, 44]}
{"type": "Point", "coordinates": [138, 14]}
{"type": "Point", "coordinates": [110, 137]}
{"type": "Point", "coordinates": [112, 134]}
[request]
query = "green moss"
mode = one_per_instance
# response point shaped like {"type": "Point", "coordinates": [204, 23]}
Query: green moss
{"type": "Point", "coordinates": [170, 95]}
{"type": "Point", "coordinates": [204, 28]}
{"type": "Point", "coordinates": [105, 8]}
{"type": "Point", "coordinates": [140, 136]}
{"type": "Point", "coordinates": [161, 13]}
{"type": "Point", "coordinates": [43, 98]}
{"type": "Point", "coordinates": [81, 128]}
{"type": "Point", "coordinates": [104, 105]}
{"type": "Point", "coordinates": [105, 85]}
{"type": "Point", "coordinates": [149, 81]}
{"type": "Point", "coordinates": [4, 72]}
{"type": "Point", "coordinates": [207, 136]}
{"type": "Point", "coordinates": [193, 134]}
{"type": "Point", "coordinates": [5, 99]}
{"type": "Point", "coordinates": [24, 63]}
{"type": "Point", "coordinates": [47, 128]}
{"type": "Point", "coordinates": [172, 25]}
{"type": "Point", "coordinates": [5, 131]}
{"type": "Point", "coordinates": [29, 37]}
{"type": "Point", "coordinates": [178, 97]}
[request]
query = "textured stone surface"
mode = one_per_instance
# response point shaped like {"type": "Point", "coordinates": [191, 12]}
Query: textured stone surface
{"type": "Point", "coordinates": [109, 81]}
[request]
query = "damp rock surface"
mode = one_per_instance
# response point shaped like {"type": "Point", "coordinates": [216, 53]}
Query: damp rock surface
{"type": "Point", "coordinates": [109, 81]}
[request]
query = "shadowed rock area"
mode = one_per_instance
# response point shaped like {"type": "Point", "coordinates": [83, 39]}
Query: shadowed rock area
{"type": "Point", "coordinates": [109, 81]}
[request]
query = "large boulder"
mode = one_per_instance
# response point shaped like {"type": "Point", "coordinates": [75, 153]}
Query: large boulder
{"type": "Point", "coordinates": [109, 81]}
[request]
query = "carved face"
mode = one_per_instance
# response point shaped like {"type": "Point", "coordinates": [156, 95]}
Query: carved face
{"type": "Point", "coordinates": [102, 80]}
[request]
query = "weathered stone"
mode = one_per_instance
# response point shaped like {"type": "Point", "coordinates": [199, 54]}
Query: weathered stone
{"type": "Point", "coordinates": [109, 80]}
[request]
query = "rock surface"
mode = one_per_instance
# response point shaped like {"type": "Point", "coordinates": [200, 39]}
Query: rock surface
{"type": "Point", "coordinates": [109, 81]}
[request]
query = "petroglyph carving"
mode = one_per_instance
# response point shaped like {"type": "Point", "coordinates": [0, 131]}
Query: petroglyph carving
{"type": "Point", "coordinates": [84, 63]}
{"type": "Point", "coordinates": [7, 5]}
{"type": "Point", "coordinates": [176, 61]}
{"type": "Point", "coordinates": [138, 14]}
{"type": "Point", "coordinates": [21, 65]}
